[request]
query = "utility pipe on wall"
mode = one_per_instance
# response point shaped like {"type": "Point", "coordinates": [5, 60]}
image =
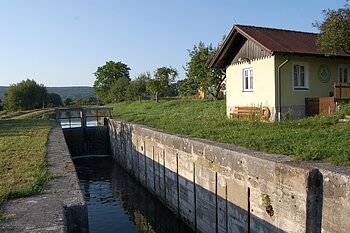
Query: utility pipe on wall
{"type": "Point", "coordinates": [279, 88]}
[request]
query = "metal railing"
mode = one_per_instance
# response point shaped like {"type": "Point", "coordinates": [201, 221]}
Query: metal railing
{"type": "Point", "coordinates": [82, 117]}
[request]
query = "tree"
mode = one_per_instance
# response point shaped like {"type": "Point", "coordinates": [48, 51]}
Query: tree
{"type": "Point", "coordinates": [138, 87]}
{"type": "Point", "coordinates": [118, 89]}
{"type": "Point", "coordinates": [199, 74]}
{"type": "Point", "coordinates": [25, 95]}
{"type": "Point", "coordinates": [335, 31]}
{"type": "Point", "coordinates": [68, 102]}
{"type": "Point", "coordinates": [93, 101]}
{"type": "Point", "coordinates": [54, 100]}
{"type": "Point", "coordinates": [173, 89]}
{"type": "Point", "coordinates": [80, 102]}
{"type": "Point", "coordinates": [187, 87]}
{"type": "Point", "coordinates": [106, 75]}
{"type": "Point", "coordinates": [159, 86]}
{"type": "Point", "coordinates": [1, 106]}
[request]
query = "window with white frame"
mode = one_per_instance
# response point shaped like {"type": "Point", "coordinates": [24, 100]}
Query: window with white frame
{"type": "Point", "coordinates": [300, 76]}
{"type": "Point", "coordinates": [343, 74]}
{"type": "Point", "coordinates": [248, 75]}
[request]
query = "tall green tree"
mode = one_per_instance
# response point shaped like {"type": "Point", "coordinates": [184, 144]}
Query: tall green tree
{"type": "Point", "coordinates": [187, 87]}
{"type": "Point", "coordinates": [199, 74]}
{"type": "Point", "coordinates": [53, 100]}
{"type": "Point", "coordinates": [118, 89]}
{"type": "Point", "coordinates": [68, 101]}
{"type": "Point", "coordinates": [335, 31]}
{"type": "Point", "coordinates": [106, 75]}
{"type": "Point", "coordinates": [138, 87]}
{"type": "Point", "coordinates": [1, 106]}
{"type": "Point", "coordinates": [160, 85]}
{"type": "Point", "coordinates": [25, 95]}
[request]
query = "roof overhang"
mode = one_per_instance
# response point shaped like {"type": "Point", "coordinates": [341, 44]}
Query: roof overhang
{"type": "Point", "coordinates": [272, 41]}
{"type": "Point", "coordinates": [222, 57]}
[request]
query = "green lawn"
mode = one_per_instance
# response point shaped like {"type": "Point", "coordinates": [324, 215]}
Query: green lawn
{"type": "Point", "coordinates": [22, 157]}
{"type": "Point", "coordinates": [315, 138]}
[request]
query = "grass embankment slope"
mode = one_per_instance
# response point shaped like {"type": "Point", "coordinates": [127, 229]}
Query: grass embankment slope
{"type": "Point", "coordinates": [22, 157]}
{"type": "Point", "coordinates": [29, 114]}
{"type": "Point", "coordinates": [314, 138]}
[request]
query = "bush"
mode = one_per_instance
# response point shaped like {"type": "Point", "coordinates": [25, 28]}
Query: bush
{"type": "Point", "coordinates": [25, 95]}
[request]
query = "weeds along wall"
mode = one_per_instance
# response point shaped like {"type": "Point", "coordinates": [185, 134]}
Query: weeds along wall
{"type": "Point", "coordinates": [217, 187]}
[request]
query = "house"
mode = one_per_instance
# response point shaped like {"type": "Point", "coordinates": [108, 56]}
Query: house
{"type": "Point", "coordinates": [279, 70]}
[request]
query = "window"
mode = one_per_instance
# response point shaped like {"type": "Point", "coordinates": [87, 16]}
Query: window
{"type": "Point", "coordinates": [343, 74]}
{"type": "Point", "coordinates": [248, 79]}
{"type": "Point", "coordinates": [300, 77]}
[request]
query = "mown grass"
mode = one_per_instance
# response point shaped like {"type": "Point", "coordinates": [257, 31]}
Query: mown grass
{"type": "Point", "coordinates": [22, 157]}
{"type": "Point", "coordinates": [29, 114]}
{"type": "Point", "coordinates": [314, 138]}
{"type": "Point", "coordinates": [39, 114]}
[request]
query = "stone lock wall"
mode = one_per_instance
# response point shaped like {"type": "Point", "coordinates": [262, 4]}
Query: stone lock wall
{"type": "Point", "coordinates": [217, 187]}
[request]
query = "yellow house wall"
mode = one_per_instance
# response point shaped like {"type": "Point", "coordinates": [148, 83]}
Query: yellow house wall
{"type": "Point", "coordinates": [263, 93]}
{"type": "Point", "coordinates": [294, 100]}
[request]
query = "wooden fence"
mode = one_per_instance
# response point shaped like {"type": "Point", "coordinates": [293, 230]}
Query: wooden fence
{"type": "Point", "coordinates": [342, 91]}
{"type": "Point", "coordinates": [319, 106]}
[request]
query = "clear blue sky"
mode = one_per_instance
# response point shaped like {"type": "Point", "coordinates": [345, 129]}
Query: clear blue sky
{"type": "Point", "coordinates": [62, 42]}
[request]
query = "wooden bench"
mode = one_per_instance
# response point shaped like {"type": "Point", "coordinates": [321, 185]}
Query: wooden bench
{"type": "Point", "coordinates": [244, 111]}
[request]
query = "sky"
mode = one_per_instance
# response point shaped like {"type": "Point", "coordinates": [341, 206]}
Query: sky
{"type": "Point", "coordinates": [62, 42]}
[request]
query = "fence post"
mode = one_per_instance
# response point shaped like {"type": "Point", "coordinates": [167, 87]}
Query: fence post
{"type": "Point", "coordinates": [83, 118]}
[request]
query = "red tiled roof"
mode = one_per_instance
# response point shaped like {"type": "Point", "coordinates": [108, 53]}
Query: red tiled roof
{"type": "Point", "coordinates": [277, 41]}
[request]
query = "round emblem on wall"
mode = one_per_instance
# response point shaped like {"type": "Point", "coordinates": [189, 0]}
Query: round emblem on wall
{"type": "Point", "coordinates": [324, 74]}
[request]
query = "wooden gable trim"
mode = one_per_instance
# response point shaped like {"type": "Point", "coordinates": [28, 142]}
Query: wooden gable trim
{"type": "Point", "coordinates": [248, 49]}
{"type": "Point", "coordinates": [235, 31]}
{"type": "Point", "coordinates": [252, 39]}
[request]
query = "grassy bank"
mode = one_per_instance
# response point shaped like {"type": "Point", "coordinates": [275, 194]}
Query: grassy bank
{"type": "Point", "coordinates": [316, 138]}
{"type": "Point", "coordinates": [29, 114]}
{"type": "Point", "coordinates": [22, 157]}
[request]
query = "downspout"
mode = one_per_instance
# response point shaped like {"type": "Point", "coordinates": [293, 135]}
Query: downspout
{"type": "Point", "coordinates": [279, 88]}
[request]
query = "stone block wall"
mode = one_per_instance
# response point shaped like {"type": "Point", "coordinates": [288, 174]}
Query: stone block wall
{"type": "Point", "coordinates": [216, 187]}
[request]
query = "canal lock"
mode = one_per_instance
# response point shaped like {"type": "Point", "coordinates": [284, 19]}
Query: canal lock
{"type": "Point", "coordinates": [116, 202]}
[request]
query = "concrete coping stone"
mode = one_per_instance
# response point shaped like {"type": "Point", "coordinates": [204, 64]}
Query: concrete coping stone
{"type": "Point", "coordinates": [159, 134]}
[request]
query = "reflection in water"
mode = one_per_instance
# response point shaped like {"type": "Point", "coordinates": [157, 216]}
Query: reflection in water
{"type": "Point", "coordinates": [117, 203]}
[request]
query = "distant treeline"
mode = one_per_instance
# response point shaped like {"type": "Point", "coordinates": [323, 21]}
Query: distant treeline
{"type": "Point", "coordinates": [79, 92]}
{"type": "Point", "coordinates": [28, 94]}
